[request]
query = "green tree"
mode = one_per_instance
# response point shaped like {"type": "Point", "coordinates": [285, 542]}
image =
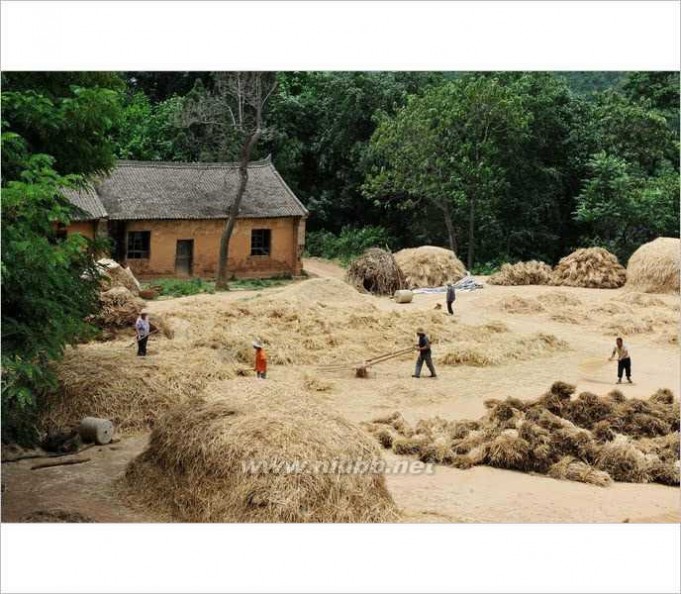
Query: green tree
{"type": "Point", "coordinates": [321, 123]}
{"type": "Point", "coordinates": [161, 86]}
{"type": "Point", "coordinates": [633, 131]}
{"type": "Point", "coordinates": [70, 116]}
{"type": "Point", "coordinates": [153, 131]}
{"type": "Point", "coordinates": [620, 210]}
{"type": "Point", "coordinates": [54, 134]}
{"type": "Point", "coordinates": [544, 171]}
{"type": "Point", "coordinates": [446, 147]}
{"type": "Point", "coordinates": [661, 89]}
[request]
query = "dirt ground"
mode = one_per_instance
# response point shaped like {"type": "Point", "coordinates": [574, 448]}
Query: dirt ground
{"type": "Point", "coordinates": [480, 494]}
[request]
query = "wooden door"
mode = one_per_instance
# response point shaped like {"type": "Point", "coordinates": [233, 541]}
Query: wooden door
{"type": "Point", "coordinates": [184, 257]}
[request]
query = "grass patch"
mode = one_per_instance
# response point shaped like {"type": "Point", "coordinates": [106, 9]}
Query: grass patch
{"type": "Point", "coordinates": [173, 287]}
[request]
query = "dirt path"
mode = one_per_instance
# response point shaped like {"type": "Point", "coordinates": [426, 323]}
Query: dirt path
{"type": "Point", "coordinates": [479, 494]}
{"type": "Point", "coordinates": [323, 268]}
{"type": "Point", "coordinates": [86, 488]}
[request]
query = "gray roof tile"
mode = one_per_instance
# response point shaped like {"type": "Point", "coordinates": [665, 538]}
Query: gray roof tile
{"type": "Point", "coordinates": [160, 190]}
{"type": "Point", "coordinates": [87, 203]}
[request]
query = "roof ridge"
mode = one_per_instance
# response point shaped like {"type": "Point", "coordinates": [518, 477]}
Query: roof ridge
{"type": "Point", "coordinates": [287, 187]}
{"type": "Point", "coordinates": [189, 164]}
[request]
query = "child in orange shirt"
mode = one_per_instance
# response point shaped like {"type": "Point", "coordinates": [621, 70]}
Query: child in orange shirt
{"type": "Point", "coordinates": [260, 360]}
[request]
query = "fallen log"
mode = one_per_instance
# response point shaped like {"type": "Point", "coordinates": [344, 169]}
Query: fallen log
{"type": "Point", "coordinates": [63, 463]}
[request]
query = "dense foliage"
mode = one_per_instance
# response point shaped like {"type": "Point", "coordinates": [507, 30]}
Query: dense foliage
{"type": "Point", "coordinates": [509, 160]}
{"type": "Point", "coordinates": [347, 244]}
{"type": "Point", "coordinates": [54, 133]}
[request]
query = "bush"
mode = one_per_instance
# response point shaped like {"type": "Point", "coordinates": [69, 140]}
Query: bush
{"type": "Point", "coordinates": [348, 245]}
{"type": "Point", "coordinates": [175, 287]}
{"type": "Point", "coordinates": [487, 268]}
{"type": "Point", "coordinates": [49, 288]}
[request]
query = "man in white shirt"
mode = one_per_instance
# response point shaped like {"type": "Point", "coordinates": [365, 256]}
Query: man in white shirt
{"type": "Point", "coordinates": [623, 360]}
{"type": "Point", "coordinates": [142, 328]}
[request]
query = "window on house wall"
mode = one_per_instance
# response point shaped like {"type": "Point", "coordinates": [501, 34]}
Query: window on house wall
{"type": "Point", "coordinates": [138, 244]}
{"type": "Point", "coordinates": [261, 242]}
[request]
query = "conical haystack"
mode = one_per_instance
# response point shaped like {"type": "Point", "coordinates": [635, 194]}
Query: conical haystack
{"type": "Point", "coordinates": [260, 453]}
{"type": "Point", "coordinates": [593, 268]}
{"type": "Point", "coordinates": [429, 266]}
{"type": "Point", "coordinates": [654, 267]}
{"type": "Point", "coordinates": [522, 273]}
{"type": "Point", "coordinates": [377, 272]}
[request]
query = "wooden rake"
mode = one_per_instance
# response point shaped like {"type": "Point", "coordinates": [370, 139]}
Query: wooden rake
{"type": "Point", "coordinates": [362, 368]}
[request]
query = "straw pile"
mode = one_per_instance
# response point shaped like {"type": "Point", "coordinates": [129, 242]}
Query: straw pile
{"type": "Point", "coordinates": [624, 315]}
{"type": "Point", "coordinates": [429, 266]}
{"type": "Point", "coordinates": [315, 322]}
{"type": "Point", "coordinates": [119, 308]}
{"type": "Point", "coordinates": [112, 274]}
{"type": "Point", "coordinates": [490, 346]}
{"type": "Point", "coordinates": [522, 273]}
{"type": "Point", "coordinates": [587, 438]}
{"type": "Point", "coordinates": [654, 267]}
{"type": "Point", "coordinates": [559, 299]}
{"type": "Point", "coordinates": [593, 268]}
{"type": "Point", "coordinates": [520, 305]}
{"type": "Point", "coordinates": [376, 272]}
{"type": "Point", "coordinates": [106, 380]}
{"type": "Point", "coordinates": [193, 468]}
{"type": "Point", "coordinates": [307, 328]}
{"type": "Point", "coordinates": [635, 298]}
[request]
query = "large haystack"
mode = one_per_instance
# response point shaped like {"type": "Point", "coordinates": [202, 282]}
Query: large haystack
{"type": "Point", "coordinates": [593, 268]}
{"type": "Point", "coordinates": [654, 267]}
{"type": "Point", "coordinates": [522, 273]}
{"type": "Point", "coordinates": [376, 272]}
{"type": "Point", "coordinates": [589, 438]}
{"type": "Point", "coordinates": [107, 380]}
{"type": "Point", "coordinates": [429, 266]}
{"type": "Point", "coordinates": [112, 274]}
{"type": "Point", "coordinates": [201, 464]}
{"type": "Point", "coordinates": [118, 308]}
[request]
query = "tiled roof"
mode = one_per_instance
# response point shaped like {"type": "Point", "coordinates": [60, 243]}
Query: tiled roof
{"type": "Point", "coordinates": [159, 190]}
{"type": "Point", "coordinates": [87, 203]}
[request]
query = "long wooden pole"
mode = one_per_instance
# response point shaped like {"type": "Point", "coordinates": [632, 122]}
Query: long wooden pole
{"type": "Point", "coordinates": [367, 362]}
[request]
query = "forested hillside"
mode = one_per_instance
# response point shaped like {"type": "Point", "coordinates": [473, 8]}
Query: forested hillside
{"type": "Point", "coordinates": [501, 166]}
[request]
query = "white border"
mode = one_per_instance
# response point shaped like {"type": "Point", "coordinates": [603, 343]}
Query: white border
{"type": "Point", "coordinates": [340, 558]}
{"type": "Point", "coordinates": [333, 35]}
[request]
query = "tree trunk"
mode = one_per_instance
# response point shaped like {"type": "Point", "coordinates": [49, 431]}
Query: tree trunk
{"type": "Point", "coordinates": [222, 281]}
{"type": "Point", "coordinates": [471, 232]}
{"type": "Point", "coordinates": [450, 230]}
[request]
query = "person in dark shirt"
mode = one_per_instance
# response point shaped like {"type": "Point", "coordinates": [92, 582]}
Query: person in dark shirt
{"type": "Point", "coordinates": [425, 355]}
{"type": "Point", "coordinates": [451, 297]}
